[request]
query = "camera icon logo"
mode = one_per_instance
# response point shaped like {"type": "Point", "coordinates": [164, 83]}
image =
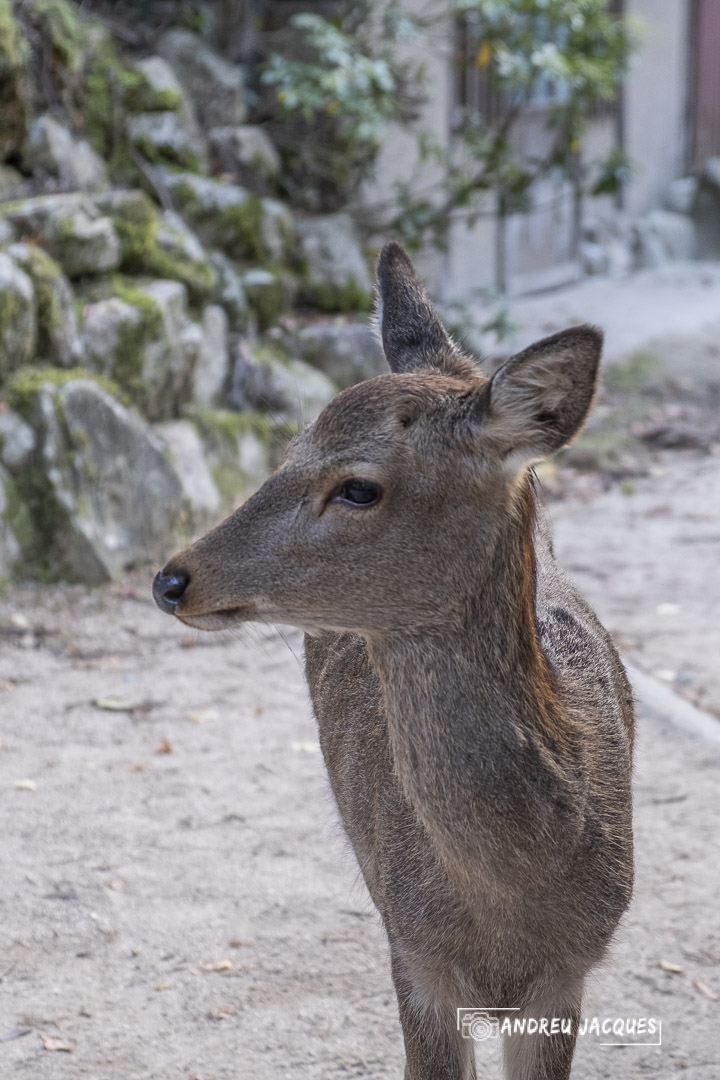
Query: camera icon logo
{"type": "Point", "coordinates": [477, 1024]}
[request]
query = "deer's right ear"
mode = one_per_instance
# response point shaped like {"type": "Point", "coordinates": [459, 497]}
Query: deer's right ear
{"type": "Point", "coordinates": [538, 401]}
{"type": "Point", "coordinates": [413, 335]}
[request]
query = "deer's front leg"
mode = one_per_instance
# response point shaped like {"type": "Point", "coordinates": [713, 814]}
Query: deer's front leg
{"type": "Point", "coordinates": [434, 1048]}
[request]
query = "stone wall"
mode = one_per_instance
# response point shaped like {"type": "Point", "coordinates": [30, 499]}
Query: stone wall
{"type": "Point", "coordinates": [166, 322]}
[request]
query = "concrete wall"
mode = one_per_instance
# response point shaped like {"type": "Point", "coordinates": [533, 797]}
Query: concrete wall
{"type": "Point", "coordinates": [654, 120]}
{"type": "Point", "coordinates": [655, 101]}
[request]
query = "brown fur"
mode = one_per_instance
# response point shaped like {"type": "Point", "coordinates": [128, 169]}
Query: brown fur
{"type": "Point", "coordinates": [474, 716]}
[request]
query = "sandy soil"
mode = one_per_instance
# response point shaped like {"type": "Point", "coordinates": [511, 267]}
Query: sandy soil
{"type": "Point", "coordinates": [176, 897]}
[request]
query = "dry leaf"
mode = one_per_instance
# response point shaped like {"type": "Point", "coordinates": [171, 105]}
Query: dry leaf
{"type": "Point", "coordinates": [705, 990]}
{"type": "Point", "coordinates": [165, 747]}
{"type": "Point", "coordinates": [26, 785]}
{"type": "Point", "coordinates": [164, 986]}
{"type": "Point", "coordinates": [139, 767]}
{"type": "Point", "coordinates": [306, 747]}
{"type": "Point", "coordinates": [53, 1043]}
{"type": "Point", "coordinates": [223, 1013]}
{"type": "Point", "coordinates": [674, 969]}
{"type": "Point", "coordinates": [112, 704]}
{"type": "Point", "coordinates": [203, 716]}
{"type": "Point", "coordinates": [217, 965]}
{"type": "Point", "coordinates": [235, 943]}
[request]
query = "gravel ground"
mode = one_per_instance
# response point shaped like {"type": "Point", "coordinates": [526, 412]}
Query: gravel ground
{"type": "Point", "coordinates": [176, 896]}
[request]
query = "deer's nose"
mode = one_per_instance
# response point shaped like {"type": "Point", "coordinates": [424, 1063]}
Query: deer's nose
{"type": "Point", "coordinates": [168, 589]}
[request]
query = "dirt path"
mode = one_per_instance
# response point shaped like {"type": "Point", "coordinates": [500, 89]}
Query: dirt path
{"type": "Point", "coordinates": [196, 828]}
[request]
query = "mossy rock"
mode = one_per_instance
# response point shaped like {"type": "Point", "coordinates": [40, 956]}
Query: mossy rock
{"type": "Point", "coordinates": [99, 491]}
{"type": "Point", "coordinates": [162, 139]}
{"type": "Point", "coordinates": [335, 274]}
{"type": "Point", "coordinates": [16, 526]}
{"type": "Point", "coordinates": [58, 338]}
{"type": "Point", "coordinates": [225, 216]}
{"type": "Point", "coordinates": [242, 449]}
{"type": "Point", "coordinates": [335, 298]}
{"type": "Point", "coordinates": [70, 228]}
{"type": "Point", "coordinates": [27, 383]}
{"type": "Point", "coordinates": [157, 89]}
{"type": "Point", "coordinates": [269, 294]}
{"type": "Point", "coordinates": [14, 83]}
{"type": "Point", "coordinates": [142, 337]}
{"type": "Point", "coordinates": [135, 218]}
{"type": "Point", "coordinates": [18, 317]}
{"type": "Point", "coordinates": [158, 245]}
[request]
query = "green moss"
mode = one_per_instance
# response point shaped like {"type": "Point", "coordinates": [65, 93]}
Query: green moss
{"type": "Point", "coordinates": [27, 383]}
{"type": "Point", "coordinates": [349, 297]}
{"type": "Point", "coordinates": [199, 277]}
{"type": "Point", "coordinates": [45, 274]}
{"type": "Point", "coordinates": [237, 228]}
{"type": "Point", "coordinates": [598, 449]}
{"type": "Point", "coordinates": [633, 374]}
{"type": "Point", "coordinates": [136, 223]}
{"type": "Point", "coordinates": [244, 223]}
{"type": "Point", "coordinates": [229, 426]}
{"type": "Point", "coordinates": [127, 364]}
{"type": "Point", "coordinates": [165, 154]}
{"type": "Point", "coordinates": [108, 85]}
{"type": "Point", "coordinates": [12, 47]}
{"type": "Point", "coordinates": [18, 516]}
{"type": "Point", "coordinates": [67, 31]}
{"type": "Point", "coordinates": [268, 296]}
{"type": "Point", "coordinates": [12, 311]}
{"type": "Point", "coordinates": [221, 431]}
{"type": "Point", "coordinates": [142, 96]}
{"type": "Point", "coordinates": [14, 83]}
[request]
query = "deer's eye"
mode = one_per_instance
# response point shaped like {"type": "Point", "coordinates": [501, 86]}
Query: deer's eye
{"type": "Point", "coordinates": [358, 493]}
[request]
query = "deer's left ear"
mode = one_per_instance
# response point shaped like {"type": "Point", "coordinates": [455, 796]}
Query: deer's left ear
{"type": "Point", "coordinates": [413, 335]}
{"type": "Point", "coordinates": [539, 399]}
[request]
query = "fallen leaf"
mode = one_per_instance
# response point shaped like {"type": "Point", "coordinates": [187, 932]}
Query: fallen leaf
{"type": "Point", "coordinates": [235, 943]}
{"type": "Point", "coordinates": [674, 969]}
{"type": "Point", "coordinates": [164, 986]}
{"type": "Point", "coordinates": [112, 704]}
{"type": "Point", "coordinates": [165, 747]}
{"type": "Point", "coordinates": [203, 716]}
{"type": "Point", "coordinates": [223, 1013]}
{"type": "Point", "coordinates": [306, 747]}
{"type": "Point", "coordinates": [217, 965]}
{"type": "Point", "coordinates": [705, 990]}
{"type": "Point", "coordinates": [53, 1043]}
{"type": "Point", "coordinates": [26, 785]}
{"type": "Point", "coordinates": [138, 767]}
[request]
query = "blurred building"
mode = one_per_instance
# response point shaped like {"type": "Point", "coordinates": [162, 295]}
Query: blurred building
{"type": "Point", "coordinates": [666, 118]}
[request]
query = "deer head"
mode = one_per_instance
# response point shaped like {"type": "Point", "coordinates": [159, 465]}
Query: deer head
{"type": "Point", "coordinates": [388, 506]}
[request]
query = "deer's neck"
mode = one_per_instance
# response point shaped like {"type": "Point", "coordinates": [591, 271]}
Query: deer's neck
{"type": "Point", "coordinates": [492, 648]}
{"type": "Point", "coordinates": [478, 735]}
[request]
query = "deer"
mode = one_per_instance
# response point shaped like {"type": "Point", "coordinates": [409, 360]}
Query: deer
{"type": "Point", "coordinates": [475, 718]}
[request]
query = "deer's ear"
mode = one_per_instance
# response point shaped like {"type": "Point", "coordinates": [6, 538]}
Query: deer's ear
{"type": "Point", "coordinates": [538, 401]}
{"type": "Point", "coordinates": [413, 335]}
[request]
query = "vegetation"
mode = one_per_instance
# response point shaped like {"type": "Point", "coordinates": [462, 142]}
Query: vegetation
{"type": "Point", "coordinates": [344, 83]}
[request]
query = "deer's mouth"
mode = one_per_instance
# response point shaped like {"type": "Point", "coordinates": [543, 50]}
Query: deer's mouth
{"type": "Point", "coordinates": [218, 620]}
